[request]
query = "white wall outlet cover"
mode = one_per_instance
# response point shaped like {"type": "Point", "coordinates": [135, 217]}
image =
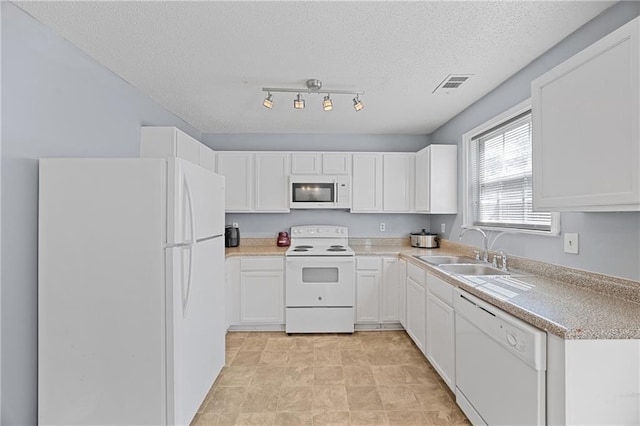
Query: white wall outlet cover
{"type": "Point", "coordinates": [382, 227]}
{"type": "Point", "coordinates": [235, 224]}
{"type": "Point", "coordinates": [571, 243]}
{"type": "Point", "coordinates": [443, 227]}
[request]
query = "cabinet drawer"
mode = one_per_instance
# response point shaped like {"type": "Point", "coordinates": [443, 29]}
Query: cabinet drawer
{"type": "Point", "coordinates": [417, 274]}
{"type": "Point", "coordinates": [368, 263]}
{"type": "Point", "coordinates": [261, 264]}
{"type": "Point", "coordinates": [440, 288]}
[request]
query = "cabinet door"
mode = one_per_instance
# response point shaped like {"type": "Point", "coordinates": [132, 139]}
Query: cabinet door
{"type": "Point", "coordinates": [262, 297]}
{"type": "Point", "coordinates": [442, 192]}
{"type": "Point", "coordinates": [422, 180]}
{"type": "Point", "coordinates": [336, 163]}
{"type": "Point", "coordinates": [416, 313]}
{"type": "Point", "coordinates": [366, 185]}
{"type": "Point", "coordinates": [402, 292]}
{"type": "Point", "coordinates": [305, 163]}
{"type": "Point", "coordinates": [237, 168]}
{"type": "Point", "coordinates": [398, 179]}
{"type": "Point", "coordinates": [586, 128]}
{"type": "Point", "coordinates": [207, 158]}
{"type": "Point", "coordinates": [232, 291]}
{"type": "Point", "coordinates": [271, 182]}
{"type": "Point", "coordinates": [368, 296]}
{"type": "Point", "coordinates": [441, 338]}
{"type": "Point", "coordinates": [389, 291]}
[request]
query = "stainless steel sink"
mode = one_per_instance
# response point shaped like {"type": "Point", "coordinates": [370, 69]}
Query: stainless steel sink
{"type": "Point", "coordinates": [442, 260]}
{"type": "Point", "coordinates": [472, 269]}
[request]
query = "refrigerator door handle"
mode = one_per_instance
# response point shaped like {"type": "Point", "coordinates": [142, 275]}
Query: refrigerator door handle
{"type": "Point", "coordinates": [192, 212]}
{"type": "Point", "coordinates": [186, 287]}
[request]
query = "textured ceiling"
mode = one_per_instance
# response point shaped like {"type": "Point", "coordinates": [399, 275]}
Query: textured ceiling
{"type": "Point", "coordinates": [208, 61]}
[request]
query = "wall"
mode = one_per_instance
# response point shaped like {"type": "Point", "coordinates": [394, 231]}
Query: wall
{"type": "Point", "coordinates": [360, 225]}
{"type": "Point", "coordinates": [609, 242]}
{"type": "Point", "coordinates": [56, 101]}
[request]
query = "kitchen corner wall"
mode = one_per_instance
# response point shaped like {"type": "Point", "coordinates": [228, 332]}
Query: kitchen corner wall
{"type": "Point", "coordinates": [360, 225]}
{"type": "Point", "coordinates": [609, 242]}
{"type": "Point", "coordinates": [56, 102]}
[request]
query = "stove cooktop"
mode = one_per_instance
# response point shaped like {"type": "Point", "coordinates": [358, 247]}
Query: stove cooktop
{"type": "Point", "coordinates": [319, 240]}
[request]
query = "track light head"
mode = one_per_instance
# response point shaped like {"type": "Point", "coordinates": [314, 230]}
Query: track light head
{"type": "Point", "coordinates": [298, 102]}
{"type": "Point", "coordinates": [268, 101]}
{"type": "Point", "coordinates": [327, 105]}
{"type": "Point", "coordinates": [357, 103]}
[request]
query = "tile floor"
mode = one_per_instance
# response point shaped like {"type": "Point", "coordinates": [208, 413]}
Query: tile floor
{"type": "Point", "coordinates": [368, 378]}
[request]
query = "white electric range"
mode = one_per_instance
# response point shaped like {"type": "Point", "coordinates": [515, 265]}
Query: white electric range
{"type": "Point", "coordinates": [320, 280]}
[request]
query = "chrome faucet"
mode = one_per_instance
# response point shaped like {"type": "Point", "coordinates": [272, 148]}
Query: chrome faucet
{"type": "Point", "coordinates": [485, 241]}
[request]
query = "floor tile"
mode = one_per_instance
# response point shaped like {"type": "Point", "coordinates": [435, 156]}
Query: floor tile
{"type": "Point", "coordinates": [255, 419]}
{"type": "Point", "coordinates": [226, 400]}
{"type": "Point", "coordinates": [268, 376]}
{"type": "Point", "coordinates": [260, 399]}
{"type": "Point", "coordinates": [402, 418]}
{"type": "Point", "coordinates": [246, 358]}
{"type": "Point", "coordinates": [215, 419]}
{"type": "Point", "coordinates": [396, 398]}
{"type": "Point", "coordinates": [354, 357]}
{"type": "Point", "coordinates": [295, 398]}
{"type": "Point", "coordinates": [274, 358]}
{"type": "Point", "coordinates": [368, 418]}
{"type": "Point", "coordinates": [330, 398]}
{"type": "Point", "coordinates": [331, 375]}
{"type": "Point", "coordinates": [327, 357]}
{"type": "Point", "coordinates": [336, 418]}
{"type": "Point", "coordinates": [293, 419]}
{"type": "Point", "coordinates": [301, 358]}
{"type": "Point", "coordinates": [236, 376]}
{"type": "Point", "coordinates": [298, 376]}
{"type": "Point", "coordinates": [364, 398]}
{"type": "Point", "coordinates": [358, 375]}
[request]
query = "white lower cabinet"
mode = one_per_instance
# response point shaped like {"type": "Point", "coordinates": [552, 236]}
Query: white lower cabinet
{"type": "Point", "coordinates": [376, 290]}
{"type": "Point", "coordinates": [368, 277]}
{"type": "Point", "coordinates": [389, 290]}
{"type": "Point", "coordinates": [416, 305]}
{"type": "Point", "coordinates": [440, 329]}
{"type": "Point", "coordinates": [262, 290]}
{"type": "Point", "coordinates": [402, 292]}
{"type": "Point", "coordinates": [232, 291]}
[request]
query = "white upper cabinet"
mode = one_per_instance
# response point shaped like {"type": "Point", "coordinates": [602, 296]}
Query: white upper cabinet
{"type": "Point", "coordinates": [237, 168]}
{"type": "Point", "coordinates": [316, 163]}
{"type": "Point", "coordinates": [336, 163]}
{"type": "Point", "coordinates": [436, 183]}
{"type": "Point", "coordinates": [366, 183]}
{"type": "Point", "coordinates": [166, 142]}
{"type": "Point", "coordinates": [271, 182]}
{"type": "Point", "coordinates": [586, 128]}
{"type": "Point", "coordinates": [306, 163]}
{"type": "Point", "coordinates": [397, 182]}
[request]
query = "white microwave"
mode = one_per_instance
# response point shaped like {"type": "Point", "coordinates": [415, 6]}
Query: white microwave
{"type": "Point", "coordinates": [320, 192]}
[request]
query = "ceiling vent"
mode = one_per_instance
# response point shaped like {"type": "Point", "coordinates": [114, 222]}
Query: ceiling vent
{"type": "Point", "coordinates": [451, 82]}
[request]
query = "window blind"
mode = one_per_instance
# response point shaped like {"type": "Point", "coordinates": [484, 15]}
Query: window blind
{"type": "Point", "coordinates": [501, 184]}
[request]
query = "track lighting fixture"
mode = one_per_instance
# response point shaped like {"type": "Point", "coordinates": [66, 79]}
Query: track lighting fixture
{"type": "Point", "coordinates": [357, 103]}
{"type": "Point", "coordinates": [327, 105]}
{"type": "Point", "coordinates": [298, 103]}
{"type": "Point", "coordinates": [313, 86]}
{"type": "Point", "coordinates": [268, 101]}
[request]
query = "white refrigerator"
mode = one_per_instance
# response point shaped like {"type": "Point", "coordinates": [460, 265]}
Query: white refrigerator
{"type": "Point", "coordinates": [130, 290]}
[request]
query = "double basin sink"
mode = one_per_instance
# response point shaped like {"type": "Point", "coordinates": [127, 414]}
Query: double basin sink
{"type": "Point", "coordinates": [462, 265]}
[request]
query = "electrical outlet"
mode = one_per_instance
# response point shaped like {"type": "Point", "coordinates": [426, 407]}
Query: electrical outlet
{"type": "Point", "coordinates": [235, 224]}
{"type": "Point", "coordinates": [443, 227]}
{"type": "Point", "coordinates": [571, 243]}
{"type": "Point", "coordinates": [382, 227]}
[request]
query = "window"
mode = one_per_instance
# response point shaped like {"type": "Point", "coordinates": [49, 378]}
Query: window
{"type": "Point", "coordinates": [499, 178]}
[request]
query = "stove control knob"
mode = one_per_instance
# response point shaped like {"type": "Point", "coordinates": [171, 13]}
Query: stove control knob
{"type": "Point", "coordinates": [320, 298]}
{"type": "Point", "coordinates": [319, 230]}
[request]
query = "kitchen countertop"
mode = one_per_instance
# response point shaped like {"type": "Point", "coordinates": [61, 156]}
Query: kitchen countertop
{"type": "Point", "coordinates": [566, 302]}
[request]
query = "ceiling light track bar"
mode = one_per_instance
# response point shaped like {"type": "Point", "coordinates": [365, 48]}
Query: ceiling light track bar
{"type": "Point", "coordinates": [332, 92]}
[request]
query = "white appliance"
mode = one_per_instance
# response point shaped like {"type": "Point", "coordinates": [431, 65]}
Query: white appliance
{"type": "Point", "coordinates": [320, 281]}
{"type": "Point", "coordinates": [500, 365]}
{"type": "Point", "coordinates": [130, 290]}
{"type": "Point", "coordinates": [320, 192]}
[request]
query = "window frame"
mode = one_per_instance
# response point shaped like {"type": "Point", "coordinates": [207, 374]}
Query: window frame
{"type": "Point", "coordinates": [467, 209]}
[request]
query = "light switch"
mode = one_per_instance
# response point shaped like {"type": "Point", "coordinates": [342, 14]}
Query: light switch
{"type": "Point", "coordinates": [571, 243]}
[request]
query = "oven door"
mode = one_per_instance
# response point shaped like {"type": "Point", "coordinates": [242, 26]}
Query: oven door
{"type": "Point", "coordinates": [320, 281]}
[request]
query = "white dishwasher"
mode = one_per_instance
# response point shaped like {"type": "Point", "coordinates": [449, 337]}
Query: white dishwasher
{"type": "Point", "coordinates": [500, 365]}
